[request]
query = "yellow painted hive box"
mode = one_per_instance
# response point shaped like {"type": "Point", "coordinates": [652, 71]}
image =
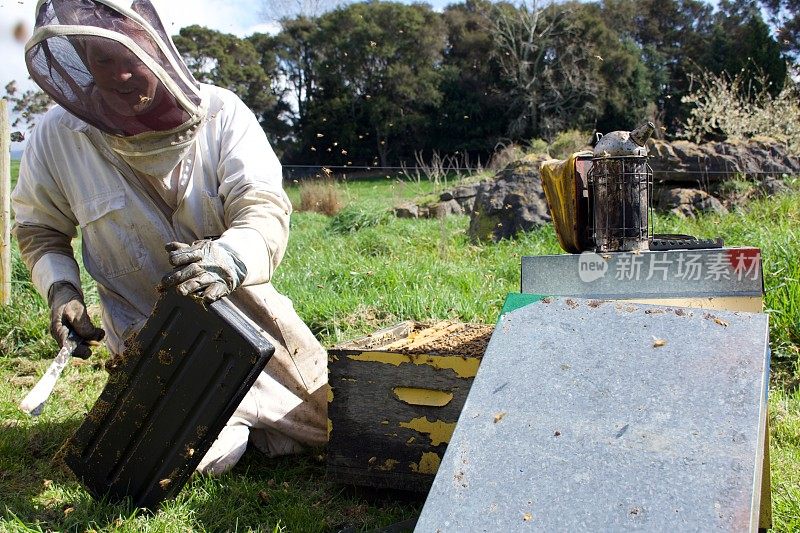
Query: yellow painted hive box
{"type": "Point", "coordinates": [395, 399]}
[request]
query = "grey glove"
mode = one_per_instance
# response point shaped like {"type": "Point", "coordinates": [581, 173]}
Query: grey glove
{"type": "Point", "coordinates": [68, 312]}
{"type": "Point", "coordinates": [206, 270]}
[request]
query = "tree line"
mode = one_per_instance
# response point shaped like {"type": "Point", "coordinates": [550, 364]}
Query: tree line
{"type": "Point", "coordinates": [374, 83]}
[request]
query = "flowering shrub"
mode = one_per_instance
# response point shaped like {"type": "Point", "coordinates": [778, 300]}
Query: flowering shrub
{"type": "Point", "coordinates": [726, 105]}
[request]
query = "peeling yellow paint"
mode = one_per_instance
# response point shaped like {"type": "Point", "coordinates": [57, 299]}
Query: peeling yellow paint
{"type": "Point", "coordinates": [330, 428]}
{"type": "Point", "coordinates": [388, 465]}
{"type": "Point", "coordinates": [384, 422]}
{"type": "Point", "coordinates": [463, 367]}
{"type": "Point", "coordinates": [330, 394]}
{"type": "Point", "coordinates": [439, 432]}
{"type": "Point", "coordinates": [411, 441]}
{"type": "Point", "coordinates": [429, 397]}
{"type": "Point", "coordinates": [428, 464]}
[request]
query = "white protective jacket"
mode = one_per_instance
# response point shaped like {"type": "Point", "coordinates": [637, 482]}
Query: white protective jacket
{"type": "Point", "coordinates": [229, 186]}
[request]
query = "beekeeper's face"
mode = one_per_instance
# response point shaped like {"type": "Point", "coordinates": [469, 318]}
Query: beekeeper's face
{"type": "Point", "coordinates": [127, 86]}
{"type": "Point", "coordinates": [112, 64]}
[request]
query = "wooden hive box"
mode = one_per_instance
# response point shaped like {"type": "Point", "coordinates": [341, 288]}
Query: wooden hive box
{"type": "Point", "coordinates": [395, 399]}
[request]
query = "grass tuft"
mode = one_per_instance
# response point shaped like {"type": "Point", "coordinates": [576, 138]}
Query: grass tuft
{"type": "Point", "coordinates": [355, 218]}
{"type": "Point", "coordinates": [568, 142]}
{"type": "Point", "coordinates": [24, 324]}
{"type": "Point", "coordinates": [320, 197]}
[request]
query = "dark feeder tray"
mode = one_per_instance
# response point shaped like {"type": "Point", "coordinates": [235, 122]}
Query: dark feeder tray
{"type": "Point", "coordinates": [179, 381]}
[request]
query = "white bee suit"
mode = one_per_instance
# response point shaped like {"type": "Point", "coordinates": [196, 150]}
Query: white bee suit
{"type": "Point", "coordinates": [138, 155]}
{"type": "Point", "coordinates": [228, 184]}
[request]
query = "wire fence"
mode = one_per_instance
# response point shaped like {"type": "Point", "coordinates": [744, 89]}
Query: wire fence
{"type": "Point", "coordinates": [297, 172]}
{"type": "Point", "coordinates": [309, 171]}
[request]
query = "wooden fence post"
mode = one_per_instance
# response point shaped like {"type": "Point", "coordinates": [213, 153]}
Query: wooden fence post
{"type": "Point", "coordinates": [5, 204]}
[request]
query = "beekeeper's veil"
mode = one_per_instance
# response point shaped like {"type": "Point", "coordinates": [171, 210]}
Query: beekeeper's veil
{"type": "Point", "coordinates": [111, 63]}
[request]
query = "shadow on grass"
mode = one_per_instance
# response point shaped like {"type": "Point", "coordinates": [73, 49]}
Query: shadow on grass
{"type": "Point", "coordinates": [37, 492]}
{"type": "Point", "coordinates": [785, 368]}
{"type": "Point", "coordinates": [293, 492]}
{"type": "Point", "coordinates": [27, 451]}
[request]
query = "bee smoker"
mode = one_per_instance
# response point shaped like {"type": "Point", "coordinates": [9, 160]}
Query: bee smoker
{"type": "Point", "coordinates": [601, 200]}
{"type": "Point", "coordinates": [619, 185]}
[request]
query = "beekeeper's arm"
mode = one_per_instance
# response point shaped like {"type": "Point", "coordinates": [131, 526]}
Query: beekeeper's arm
{"type": "Point", "coordinates": [44, 229]}
{"type": "Point", "coordinates": [256, 214]}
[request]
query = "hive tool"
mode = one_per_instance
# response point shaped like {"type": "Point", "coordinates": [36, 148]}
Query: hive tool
{"type": "Point", "coordinates": [34, 401]}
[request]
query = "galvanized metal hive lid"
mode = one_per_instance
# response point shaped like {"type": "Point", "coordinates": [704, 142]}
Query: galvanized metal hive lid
{"type": "Point", "coordinates": [656, 274]}
{"type": "Point", "coordinates": [597, 416]}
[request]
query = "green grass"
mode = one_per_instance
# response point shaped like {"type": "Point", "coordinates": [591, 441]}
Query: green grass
{"type": "Point", "coordinates": [375, 192]}
{"type": "Point", "coordinates": [784, 449]}
{"type": "Point", "coordinates": [345, 284]}
{"type": "Point", "coordinates": [14, 171]}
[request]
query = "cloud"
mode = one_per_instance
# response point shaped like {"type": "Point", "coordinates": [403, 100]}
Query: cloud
{"type": "Point", "coordinates": [239, 17]}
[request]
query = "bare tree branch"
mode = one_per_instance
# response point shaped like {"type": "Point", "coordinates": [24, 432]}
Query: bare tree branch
{"type": "Point", "coordinates": [276, 10]}
{"type": "Point", "coordinates": [543, 58]}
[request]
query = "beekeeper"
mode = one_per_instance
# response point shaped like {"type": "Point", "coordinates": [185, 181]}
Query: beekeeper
{"type": "Point", "coordinates": [175, 187]}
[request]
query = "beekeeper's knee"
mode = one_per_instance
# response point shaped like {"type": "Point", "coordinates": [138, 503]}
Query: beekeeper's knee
{"type": "Point", "coordinates": [275, 444]}
{"type": "Point", "coordinates": [226, 450]}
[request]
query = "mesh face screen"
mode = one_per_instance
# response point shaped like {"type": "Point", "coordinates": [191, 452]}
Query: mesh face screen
{"type": "Point", "coordinates": [102, 81]}
{"type": "Point", "coordinates": [148, 12]}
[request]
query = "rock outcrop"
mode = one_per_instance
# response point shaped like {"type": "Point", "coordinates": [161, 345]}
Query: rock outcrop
{"type": "Point", "coordinates": [407, 210]}
{"type": "Point", "coordinates": [684, 172]}
{"type": "Point", "coordinates": [457, 201]}
{"type": "Point", "coordinates": [773, 186]}
{"type": "Point", "coordinates": [687, 202]}
{"type": "Point", "coordinates": [513, 201]}
{"type": "Point", "coordinates": [464, 195]}
{"type": "Point", "coordinates": [687, 164]}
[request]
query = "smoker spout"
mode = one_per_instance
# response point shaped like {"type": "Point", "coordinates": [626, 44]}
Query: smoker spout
{"type": "Point", "coordinates": [642, 133]}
